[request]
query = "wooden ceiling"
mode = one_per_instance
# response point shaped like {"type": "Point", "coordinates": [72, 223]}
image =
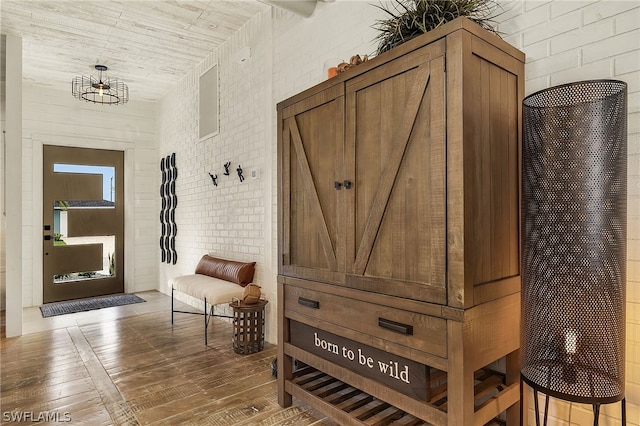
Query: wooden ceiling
{"type": "Point", "coordinates": [148, 44]}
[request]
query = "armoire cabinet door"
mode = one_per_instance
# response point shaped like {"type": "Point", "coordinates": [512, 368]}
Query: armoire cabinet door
{"type": "Point", "coordinates": [395, 157]}
{"type": "Point", "coordinates": [312, 170]}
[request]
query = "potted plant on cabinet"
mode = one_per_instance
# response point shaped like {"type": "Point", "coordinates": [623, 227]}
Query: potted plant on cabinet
{"type": "Point", "coordinates": [410, 18]}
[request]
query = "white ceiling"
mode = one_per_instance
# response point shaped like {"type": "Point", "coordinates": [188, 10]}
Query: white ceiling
{"type": "Point", "coordinates": [148, 44]}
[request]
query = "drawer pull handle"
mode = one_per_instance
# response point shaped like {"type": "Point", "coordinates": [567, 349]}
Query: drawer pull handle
{"type": "Point", "coordinates": [398, 327]}
{"type": "Point", "coordinates": [309, 303]}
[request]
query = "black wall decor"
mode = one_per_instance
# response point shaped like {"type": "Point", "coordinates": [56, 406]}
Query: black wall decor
{"type": "Point", "coordinates": [226, 166]}
{"type": "Point", "coordinates": [240, 175]}
{"type": "Point", "coordinates": [168, 212]}
{"type": "Point", "coordinates": [574, 242]}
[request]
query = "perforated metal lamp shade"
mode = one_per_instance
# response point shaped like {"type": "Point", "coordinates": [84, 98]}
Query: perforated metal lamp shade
{"type": "Point", "coordinates": [574, 241]}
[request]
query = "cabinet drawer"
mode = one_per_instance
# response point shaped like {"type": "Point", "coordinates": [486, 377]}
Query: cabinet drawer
{"type": "Point", "coordinates": [417, 331]}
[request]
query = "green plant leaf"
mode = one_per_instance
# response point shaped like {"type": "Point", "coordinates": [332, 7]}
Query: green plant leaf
{"type": "Point", "coordinates": [409, 18]}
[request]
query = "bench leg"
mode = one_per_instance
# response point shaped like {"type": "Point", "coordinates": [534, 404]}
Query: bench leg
{"type": "Point", "coordinates": [171, 305]}
{"type": "Point", "coordinates": [206, 321]}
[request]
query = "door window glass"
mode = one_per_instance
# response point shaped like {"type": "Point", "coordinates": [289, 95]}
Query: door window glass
{"type": "Point", "coordinates": [82, 223]}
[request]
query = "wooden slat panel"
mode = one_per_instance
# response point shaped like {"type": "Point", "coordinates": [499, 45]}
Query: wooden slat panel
{"type": "Point", "coordinates": [374, 217]}
{"type": "Point", "coordinates": [311, 145]}
{"type": "Point", "coordinates": [353, 406]}
{"type": "Point", "coordinates": [77, 186]}
{"type": "Point", "coordinates": [339, 415]}
{"type": "Point", "coordinates": [78, 258]}
{"type": "Point", "coordinates": [498, 156]}
{"type": "Point", "coordinates": [315, 222]}
{"type": "Point", "coordinates": [491, 168]}
{"type": "Point", "coordinates": [403, 249]}
{"type": "Point", "coordinates": [506, 398]}
{"type": "Point", "coordinates": [91, 222]}
{"type": "Point", "coordinates": [437, 174]}
{"type": "Point", "coordinates": [423, 410]}
{"type": "Point", "coordinates": [457, 109]}
{"type": "Point", "coordinates": [284, 191]}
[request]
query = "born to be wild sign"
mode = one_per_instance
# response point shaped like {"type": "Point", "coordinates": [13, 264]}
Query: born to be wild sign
{"type": "Point", "coordinates": [400, 374]}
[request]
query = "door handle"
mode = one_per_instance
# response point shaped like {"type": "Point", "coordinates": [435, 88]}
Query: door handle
{"type": "Point", "coordinates": [347, 184]}
{"type": "Point", "coordinates": [47, 237]}
{"type": "Point", "coordinates": [337, 185]}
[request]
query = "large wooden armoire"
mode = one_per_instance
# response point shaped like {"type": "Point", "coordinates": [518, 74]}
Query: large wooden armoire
{"type": "Point", "coordinates": [399, 235]}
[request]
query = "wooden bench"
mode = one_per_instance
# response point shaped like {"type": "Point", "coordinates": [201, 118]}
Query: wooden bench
{"type": "Point", "coordinates": [215, 281]}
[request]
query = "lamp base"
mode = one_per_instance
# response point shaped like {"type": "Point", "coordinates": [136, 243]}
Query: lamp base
{"type": "Point", "coordinates": [573, 381]}
{"type": "Point", "coordinates": [536, 389]}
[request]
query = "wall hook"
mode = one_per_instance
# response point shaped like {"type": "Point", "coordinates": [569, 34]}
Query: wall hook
{"type": "Point", "coordinates": [239, 170]}
{"type": "Point", "coordinates": [226, 168]}
{"type": "Point", "coordinates": [214, 178]}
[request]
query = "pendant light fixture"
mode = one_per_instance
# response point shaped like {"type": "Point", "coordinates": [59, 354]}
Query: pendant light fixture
{"type": "Point", "coordinates": [99, 88]}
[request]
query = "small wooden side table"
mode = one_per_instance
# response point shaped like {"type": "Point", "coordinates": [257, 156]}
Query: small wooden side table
{"type": "Point", "coordinates": [248, 326]}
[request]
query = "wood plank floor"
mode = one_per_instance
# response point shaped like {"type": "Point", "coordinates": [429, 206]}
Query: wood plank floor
{"type": "Point", "coordinates": [138, 369]}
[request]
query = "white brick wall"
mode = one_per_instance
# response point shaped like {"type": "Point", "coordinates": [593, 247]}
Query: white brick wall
{"type": "Point", "coordinates": [231, 220]}
{"type": "Point", "coordinates": [579, 40]}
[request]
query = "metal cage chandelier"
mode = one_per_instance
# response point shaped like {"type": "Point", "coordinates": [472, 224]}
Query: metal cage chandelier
{"type": "Point", "coordinates": [100, 90]}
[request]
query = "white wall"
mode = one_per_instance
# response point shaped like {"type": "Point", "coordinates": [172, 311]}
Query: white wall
{"type": "Point", "coordinates": [13, 195]}
{"type": "Point", "coordinates": [579, 40]}
{"type": "Point", "coordinates": [3, 99]}
{"type": "Point", "coordinates": [56, 118]}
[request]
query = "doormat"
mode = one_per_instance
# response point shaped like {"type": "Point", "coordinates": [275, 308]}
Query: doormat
{"type": "Point", "coordinates": [81, 305]}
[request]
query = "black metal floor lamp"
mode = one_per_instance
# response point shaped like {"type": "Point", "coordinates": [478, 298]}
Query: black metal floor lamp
{"type": "Point", "coordinates": [574, 243]}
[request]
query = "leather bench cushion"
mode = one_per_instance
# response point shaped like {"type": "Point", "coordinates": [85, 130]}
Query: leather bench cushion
{"type": "Point", "coordinates": [228, 270]}
{"type": "Point", "coordinates": [215, 290]}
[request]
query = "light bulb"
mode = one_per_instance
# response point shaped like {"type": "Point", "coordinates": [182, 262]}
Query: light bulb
{"type": "Point", "coordinates": [571, 341]}
{"type": "Point", "coordinates": [100, 91]}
